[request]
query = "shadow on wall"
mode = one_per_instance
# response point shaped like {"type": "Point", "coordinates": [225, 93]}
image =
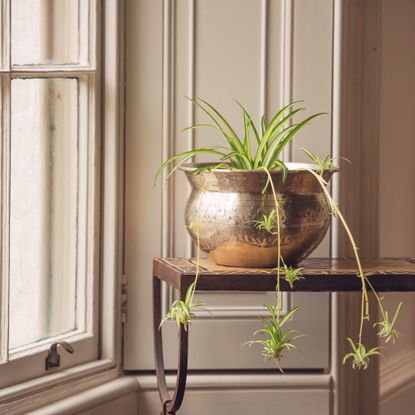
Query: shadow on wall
{"type": "Point", "coordinates": [397, 192]}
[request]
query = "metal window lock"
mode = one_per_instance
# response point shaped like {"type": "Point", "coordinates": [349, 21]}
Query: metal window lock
{"type": "Point", "coordinates": [53, 359]}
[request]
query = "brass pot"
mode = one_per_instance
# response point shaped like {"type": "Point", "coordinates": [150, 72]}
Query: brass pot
{"type": "Point", "coordinates": [225, 205]}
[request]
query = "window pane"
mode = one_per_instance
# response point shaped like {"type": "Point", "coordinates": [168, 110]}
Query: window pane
{"type": "Point", "coordinates": [43, 208]}
{"type": "Point", "coordinates": [49, 31]}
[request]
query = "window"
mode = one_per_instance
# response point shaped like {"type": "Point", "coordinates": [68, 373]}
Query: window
{"type": "Point", "coordinates": [50, 182]}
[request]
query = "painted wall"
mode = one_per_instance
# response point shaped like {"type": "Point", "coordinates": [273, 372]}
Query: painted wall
{"type": "Point", "coordinates": [397, 190]}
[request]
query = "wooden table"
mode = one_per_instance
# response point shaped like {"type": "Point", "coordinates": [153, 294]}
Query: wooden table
{"type": "Point", "coordinates": [332, 275]}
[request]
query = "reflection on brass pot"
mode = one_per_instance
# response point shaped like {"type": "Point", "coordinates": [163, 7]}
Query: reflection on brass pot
{"type": "Point", "coordinates": [228, 203]}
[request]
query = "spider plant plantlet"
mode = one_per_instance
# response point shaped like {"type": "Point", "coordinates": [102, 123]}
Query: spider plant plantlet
{"type": "Point", "coordinates": [387, 328]}
{"type": "Point", "coordinates": [387, 331]}
{"type": "Point", "coordinates": [291, 274]}
{"type": "Point", "coordinates": [278, 339]}
{"type": "Point", "coordinates": [183, 311]}
{"type": "Point", "coordinates": [360, 356]}
{"type": "Point", "coordinates": [267, 221]}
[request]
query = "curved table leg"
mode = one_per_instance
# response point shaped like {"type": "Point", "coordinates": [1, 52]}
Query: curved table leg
{"type": "Point", "coordinates": [170, 405]}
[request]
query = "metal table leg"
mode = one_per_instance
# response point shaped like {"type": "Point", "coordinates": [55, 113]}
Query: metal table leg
{"type": "Point", "coordinates": [170, 405]}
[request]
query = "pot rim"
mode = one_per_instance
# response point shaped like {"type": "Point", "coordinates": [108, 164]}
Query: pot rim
{"type": "Point", "coordinates": [292, 167]}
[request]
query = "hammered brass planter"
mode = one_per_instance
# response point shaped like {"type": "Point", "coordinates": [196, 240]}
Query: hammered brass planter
{"type": "Point", "coordinates": [227, 204]}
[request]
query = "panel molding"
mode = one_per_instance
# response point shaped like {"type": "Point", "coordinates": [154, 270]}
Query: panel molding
{"type": "Point", "coordinates": [286, 78]}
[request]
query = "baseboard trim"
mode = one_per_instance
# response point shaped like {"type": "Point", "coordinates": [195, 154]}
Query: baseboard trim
{"type": "Point", "coordinates": [91, 398]}
{"type": "Point", "coordinates": [243, 381]}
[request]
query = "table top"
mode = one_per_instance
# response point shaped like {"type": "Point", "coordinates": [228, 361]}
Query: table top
{"type": "Point", "coordinates": [320, 274]}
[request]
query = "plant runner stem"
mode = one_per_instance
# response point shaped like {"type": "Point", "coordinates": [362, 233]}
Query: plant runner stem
{"type": "Point", "coordinates": [336, 211]}
{"type": "Point", "coordinates": [197, 243]}
{"type": "Point", "coordinates": [277, 208]}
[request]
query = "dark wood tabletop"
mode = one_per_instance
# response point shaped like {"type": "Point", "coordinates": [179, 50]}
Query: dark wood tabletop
{"type": "Point", "coordinates": [320, 274]}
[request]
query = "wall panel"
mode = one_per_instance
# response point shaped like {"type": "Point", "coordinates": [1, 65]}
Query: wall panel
{"type": "Point", "coordinates": [257, 52]}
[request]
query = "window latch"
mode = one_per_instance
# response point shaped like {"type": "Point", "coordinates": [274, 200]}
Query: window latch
{"type": "Point", "coordinates": [53, 359]}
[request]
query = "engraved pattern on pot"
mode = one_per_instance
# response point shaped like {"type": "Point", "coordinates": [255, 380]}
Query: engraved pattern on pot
{"type": "Point", "coordinates": [231, 202]}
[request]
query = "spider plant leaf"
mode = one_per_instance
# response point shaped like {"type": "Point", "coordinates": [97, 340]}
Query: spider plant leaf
{"type": "Point", "coordinates": [269, 135]}
{"type": "Point", "coordinates": [277, 146]}
{"type": "Point", "coordinates": [263, 125]}
{"type": "Point", "coordinates": [266, 144]}
{"type": "Point", "coordinates": [247, 139]}
{"type": "Point", "coordinates": [182, 161]}
{"type": "Point", "coordinates": [189, 292]}
{"type": "Point", "coordinates": [398, 310]}
{"type": "Point", "coordinates": [283, 166]}
{"type": "Point", "coordinates": [186, 155]}
{"type": "Point", "coordinates": [241, 156]}
{"type": "Point", "coordinates": [192, 127]}
{"type": "Point", "coordinates": [217, 124]}
{"type": "Point", "coordinates": [272, 129]}
{"type": "Point", "coordinates": [309, 154]}
{"type": "Point", "coordinates": [236, 142]}
{"type": "Point", "coordinates": [354, 347]}
{"type": "Point", "coordinates": [210, 166]}
{"type": "Point", "coordinates": [251, 122]}
{"type": "Point", "coordinates": [289, 315]}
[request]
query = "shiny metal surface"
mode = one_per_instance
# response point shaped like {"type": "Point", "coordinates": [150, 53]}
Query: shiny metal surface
{"type": "Point", "coordinates": [225, 206]}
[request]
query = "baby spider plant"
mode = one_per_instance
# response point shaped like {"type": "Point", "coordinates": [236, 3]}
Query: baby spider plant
{"type": "Point", "coordinates": [291, 274]}
{"type": "Point", "coordinates": [278, 340]}
{"type": "Point", "coordinates": [387, 331]}
{"type": "Point", "coordinates": [360, 356]}
{"type": "Point", "coordinates": [322, 165]}
{"type": "Point", "coordinates": [387, 328]}
{"type": "Point", "coordinates": [183, 311]}
{"type": "Point", "coordinates": [267, 222]}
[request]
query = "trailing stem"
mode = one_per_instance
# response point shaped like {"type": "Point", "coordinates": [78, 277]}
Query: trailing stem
{"type": "Point", "coordinates": [197, 244]}
{"type": "Point", "coordinates": [277, 210]}
{"type": "Point", "coordinates": [336, 212]}
{"type": "Point", "coordinates": [182, 311]}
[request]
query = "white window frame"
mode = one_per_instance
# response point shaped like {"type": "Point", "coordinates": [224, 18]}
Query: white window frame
{"type": "Point", "coordinates": [20, 397]}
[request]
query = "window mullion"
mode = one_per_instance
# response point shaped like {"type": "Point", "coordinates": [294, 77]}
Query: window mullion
{"type": "Point", "coordinates": [4, 175]}
{"type": "Point", "coordinates": [4, 218]}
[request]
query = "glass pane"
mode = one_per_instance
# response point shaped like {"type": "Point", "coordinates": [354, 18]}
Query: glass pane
{"type": "Point", "coordinates": [43, 209]}
{"type": "Point", "coordinates": [49, 31]}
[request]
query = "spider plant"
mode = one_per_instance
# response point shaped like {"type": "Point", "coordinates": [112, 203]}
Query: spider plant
{"type": "Point", "coordinates": [267, 221]}
{"type": "Point", "coordinates": [360, 356]}
{"type": "Point", "coordinates": [278, 339]}
{"type": "Point", "coordinates": [183, 311]}
{"type": "Point", "coordinates": [264, 153]}
{"type": "Point", "coordinates": [239, 152]}
{"type": "Point", "coordinates": [387, 327]}
{"type": "Point", "coordinates": [322, 164]}
{"type": "Point", "coordinates": [291, 274]}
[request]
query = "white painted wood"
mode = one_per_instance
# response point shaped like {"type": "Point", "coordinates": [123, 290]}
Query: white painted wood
{"type": "Point", "coordinates": [396, 194]}
{"type": "Point", "coordinates": [357, 393]}
{"type": "Point", "coordinates": [58, 385]}
{"type": "Point", "coordinates": [244, 395]}
{"type": "Point", "coordinates": [117, 396]}
{"type": "Point", "coordinates": [5, 198]}
{"type": "Point", "coordinates": [113, 132]}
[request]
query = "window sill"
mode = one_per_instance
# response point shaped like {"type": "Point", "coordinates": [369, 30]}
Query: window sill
{"type": "Point", "coordinates": [47, 389]}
